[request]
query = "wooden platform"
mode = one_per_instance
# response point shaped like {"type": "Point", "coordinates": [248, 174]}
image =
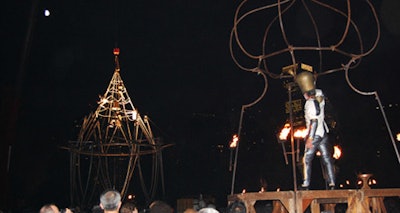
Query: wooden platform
{"type": "Point", "coordinates": [358, 200]}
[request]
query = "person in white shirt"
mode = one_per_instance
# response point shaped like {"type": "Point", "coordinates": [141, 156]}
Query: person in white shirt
{"type": "Point", "coordinates": [317, 138]}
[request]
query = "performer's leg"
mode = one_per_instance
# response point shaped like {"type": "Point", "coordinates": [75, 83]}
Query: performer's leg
{"type": "Point", "coordinates": [307, 165]}
{"type": "Point", "coordinates": [326, 153]}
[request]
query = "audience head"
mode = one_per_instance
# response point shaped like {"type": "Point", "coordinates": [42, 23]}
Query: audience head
{"type": "Point", "coordinates": [160, 207]}
{"type": "Point", "coordinates": [97, 209]}
{"type": "Point", "coordinates": [49, 208]}
{"type": "Point", "coordinates": [237, 207]}
{"type": "Point", "coordinates": [110, 200]}
{"type": "Point", "coordinates": [208, 210]}
{"type": "Point", "coordinates": [128, 208]}
{"type": "Point", "coordinates": [190, 210]}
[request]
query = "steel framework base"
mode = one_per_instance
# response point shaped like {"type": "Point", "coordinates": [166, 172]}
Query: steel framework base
{"type": "Point", "coordinates": [358, 200]}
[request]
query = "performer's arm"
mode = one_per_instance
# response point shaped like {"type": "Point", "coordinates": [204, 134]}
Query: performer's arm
{"type": "Point", "coordinates": [312, 128]}
{"type": "Point", "coordinates": [311, 133]}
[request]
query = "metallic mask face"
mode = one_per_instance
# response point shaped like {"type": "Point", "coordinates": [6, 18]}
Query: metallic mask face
{"type": "Point", "coordinates": [306, 81]}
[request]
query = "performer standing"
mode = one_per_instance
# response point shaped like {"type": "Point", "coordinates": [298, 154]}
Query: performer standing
{"type": "Point", "coordinates": [317, 138]}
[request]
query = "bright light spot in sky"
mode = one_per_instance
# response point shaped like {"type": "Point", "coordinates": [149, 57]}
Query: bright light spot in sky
{"type": "Point", "coordinates": [46, 13]}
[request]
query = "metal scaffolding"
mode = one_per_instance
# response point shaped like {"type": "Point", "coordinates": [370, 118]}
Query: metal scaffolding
{"type": "Point", "coordinates": [114, 142]}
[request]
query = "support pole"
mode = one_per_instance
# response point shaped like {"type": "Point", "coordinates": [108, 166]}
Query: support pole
{"type": "Point", "coordinates": [259, 71]}
{"type": "Point", "coordinates": [289, 87]}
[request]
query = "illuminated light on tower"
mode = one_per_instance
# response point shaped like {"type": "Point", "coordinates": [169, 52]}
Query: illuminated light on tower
{"type": "Point", "coordinates": [116, 51]}
{"type": "Point", "coordinates": [233, 145]}
{"type": "Point", "coordinates": [134, 114]}
{"type": "Point", "coordinates": [234, 141]}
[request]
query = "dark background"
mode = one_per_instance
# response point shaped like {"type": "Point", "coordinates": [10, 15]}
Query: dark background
{"type": "Point", "coordinates": [176, 64]}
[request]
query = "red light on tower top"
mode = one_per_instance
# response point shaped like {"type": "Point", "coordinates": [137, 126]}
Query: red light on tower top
{"type": "Point", "coordinates": [116, 51]}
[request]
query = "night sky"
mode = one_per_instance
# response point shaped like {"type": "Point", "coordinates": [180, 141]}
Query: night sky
{"type": "Point", "coordinates": [177, 67]}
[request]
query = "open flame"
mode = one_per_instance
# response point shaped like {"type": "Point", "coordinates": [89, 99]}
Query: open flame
{"type": "Point", "coordinates": [284, 132]}
{"type": "Point", "coordinates": [337, 152]}
{"type": "Point", "coordinates": [298, 133]}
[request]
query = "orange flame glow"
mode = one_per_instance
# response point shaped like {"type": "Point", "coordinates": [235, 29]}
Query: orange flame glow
{"type": "Point", "coordinates": [284, 132]}
{"type": "Point", "coordinates": [300, 133]}
{"type": "Point", "coordinates": [337, 152]}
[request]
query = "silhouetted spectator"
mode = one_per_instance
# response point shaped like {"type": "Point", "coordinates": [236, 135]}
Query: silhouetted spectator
{"type": "Point", "coordinates": [110, 201]}
{"type": "Point", "coordinates": [190, 210]}
{"type": "Point", "coordinates": [52, 208]}
{"type": "Point", "coordinates": [160, 207]}
{"type": "Point", "coordinates": [128, 208]}
{"type": "Point", "coordinates": [237, 207]}
{"type": "Point", "coordinates": [97, 209]}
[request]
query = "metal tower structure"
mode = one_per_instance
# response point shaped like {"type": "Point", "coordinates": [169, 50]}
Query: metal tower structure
{"type": "Point", "coordinates": [114, 142]}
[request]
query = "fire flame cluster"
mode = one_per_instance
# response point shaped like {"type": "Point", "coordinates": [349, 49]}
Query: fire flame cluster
{"type": "Point", "coordinates": [298, 133]}
{"type": "Point", "coordinates": [301, 133]}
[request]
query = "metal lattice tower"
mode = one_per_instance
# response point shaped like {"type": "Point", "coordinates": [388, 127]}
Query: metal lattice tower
{"type": "Point", "coordinates": [112, 143]}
